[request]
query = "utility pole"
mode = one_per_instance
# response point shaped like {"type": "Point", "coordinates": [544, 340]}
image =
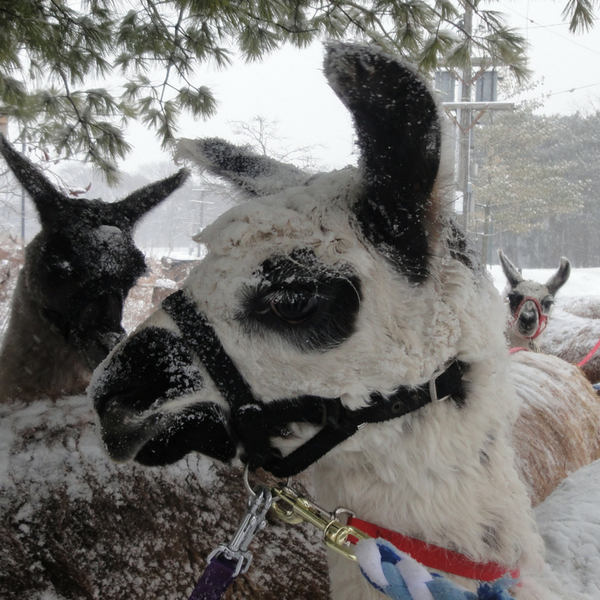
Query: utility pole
{"type": "Point", "coordinates": [465, 118]}
{"type": "Point", "coordinates": [201, 202]}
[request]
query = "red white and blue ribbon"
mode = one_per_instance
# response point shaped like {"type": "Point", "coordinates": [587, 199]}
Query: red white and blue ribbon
{"type": "Point", "coordinates": [400, 577]}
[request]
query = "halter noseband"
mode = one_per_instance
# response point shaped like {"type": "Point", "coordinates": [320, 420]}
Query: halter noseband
{"type": "Point", "coordinates": [542, 318]}
{"type": "Point", "coordinates": [254, 423]}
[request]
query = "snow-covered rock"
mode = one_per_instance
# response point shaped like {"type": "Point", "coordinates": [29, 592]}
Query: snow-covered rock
{"type": "Point", "coordinates": [74, 525]}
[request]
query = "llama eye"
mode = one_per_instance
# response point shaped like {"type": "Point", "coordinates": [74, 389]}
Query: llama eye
{"type": "Point", "coordinates": [295, 310]}
{"type": "Point", "coordinates": [547, 304]}
{"type": "Point", "coordinates": [300, 302]}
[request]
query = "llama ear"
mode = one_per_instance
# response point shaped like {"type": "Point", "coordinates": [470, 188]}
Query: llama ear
{"type": "Point", "coordinates": [560, 277]}
{"type": "Point", "coordinates": [138, 203]}
{"type": "Point", "coordinates": [399, 135]}
{"type": "Point", "coordinates": [48, 200]}
{"type": "Point", "coordinates": [511, 272]}
{"type": "Point", "coordinates": [256, 174]}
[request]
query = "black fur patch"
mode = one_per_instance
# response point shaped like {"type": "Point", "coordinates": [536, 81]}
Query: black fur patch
{"type": "Point", "coordinates": [154, 366]}
{"type": "Point", "coordinates": [397, 125]}
{"type": "Point", "coordinates": [514, 300]}
{"type": "Point", "coordinates": [303, 301]}
{"type": "Point", "coordinates": [547, 302]}
{"type": "Point", "coordinates": [198, 429]}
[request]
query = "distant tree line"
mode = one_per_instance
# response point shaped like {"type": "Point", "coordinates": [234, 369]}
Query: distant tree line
{"type": "Point", "coordinates": [537, 188]}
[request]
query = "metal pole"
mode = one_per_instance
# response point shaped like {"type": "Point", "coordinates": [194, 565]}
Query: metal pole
{"type": "Point", "coordinates": [465, 119]}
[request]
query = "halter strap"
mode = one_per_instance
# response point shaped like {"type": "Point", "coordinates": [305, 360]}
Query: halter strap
{"type": "Point", "coordinates": [542, 318]}
{"type": "Point", "coordinates": [254, 422]}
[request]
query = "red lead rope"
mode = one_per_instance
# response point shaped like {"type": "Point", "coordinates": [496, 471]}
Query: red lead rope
{"type": "Point", "coordinates": [589, 354]}
{"type": "Point", "coordinates": [435, 557]}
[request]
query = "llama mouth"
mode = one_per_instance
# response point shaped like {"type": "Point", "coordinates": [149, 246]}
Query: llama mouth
{"type": "Point", "coordinates": [527, 330]}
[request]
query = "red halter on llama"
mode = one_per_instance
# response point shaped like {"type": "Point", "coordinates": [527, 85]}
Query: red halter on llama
{"type": "Point", "coordinates": [530, 303]}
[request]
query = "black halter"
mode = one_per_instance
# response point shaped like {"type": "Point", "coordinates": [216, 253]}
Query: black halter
{"type": "Point", "coordinates": [254, 423]}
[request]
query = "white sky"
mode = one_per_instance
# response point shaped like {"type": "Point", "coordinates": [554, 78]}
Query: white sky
{"type": "Point", "coordinates": [289, 88]}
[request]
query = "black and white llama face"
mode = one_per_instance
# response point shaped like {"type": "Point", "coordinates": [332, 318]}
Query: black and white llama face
{"type": "Point", "coordinates": [333, 288]}
{"type": "Point", "coordinates": [530, 303]}
{"type": "Point", "coordinates": [80, 267]}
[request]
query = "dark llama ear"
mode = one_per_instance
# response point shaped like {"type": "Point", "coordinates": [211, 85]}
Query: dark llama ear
{"type": "Point", "coordinates": [256, 174]}
{"type": "Point", "coordinates": [560, 277]}
{"type": "Point", "coordinates": [399, 135]}
{"type": "Point", "coordinates": [132, 208]}
{"type": "Point", "coordinates": [511, 272]}
{"type": "Point", "coordinates": [48, 201]}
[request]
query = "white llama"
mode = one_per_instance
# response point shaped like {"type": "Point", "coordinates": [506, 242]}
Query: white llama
{"type": "Point", "coordinates": [344, 323]}
{"type": "Point", "coordinates": [530, 303]}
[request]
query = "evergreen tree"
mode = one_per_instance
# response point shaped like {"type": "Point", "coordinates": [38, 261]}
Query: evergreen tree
{"type": "Point", "coordinates": [51, 49]}
{"type": "Point", "coordinates": [538, 187]}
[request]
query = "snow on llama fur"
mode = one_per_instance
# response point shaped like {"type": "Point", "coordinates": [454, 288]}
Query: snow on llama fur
{"type": "Point", "coordinates": [357, 281]}
{"type": "Point", "coordinates": [530, 303]}
{"type": "Point", "coordinates": [67, 305]}
{"type": "Point", "coordinates": [558, 429]}
{"type": "Point", "coordinates": [76, 526]}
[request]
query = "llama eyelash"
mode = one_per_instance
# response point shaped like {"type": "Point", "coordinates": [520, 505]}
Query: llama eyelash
{"type": "Point", "coordinates": [313, 314]}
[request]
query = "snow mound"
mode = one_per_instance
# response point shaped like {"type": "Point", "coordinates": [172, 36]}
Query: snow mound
{"type": "Point", "coordinates": [569, 522]}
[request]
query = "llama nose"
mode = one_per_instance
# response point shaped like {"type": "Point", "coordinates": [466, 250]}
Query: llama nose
{"type": "Point", "coordinates": [111, 339]}
{"type": "Point", "coordinates": [528, 317]}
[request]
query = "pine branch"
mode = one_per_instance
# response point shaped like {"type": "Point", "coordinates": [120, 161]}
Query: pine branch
{"type": "Point", "coordinates": [161, 45]}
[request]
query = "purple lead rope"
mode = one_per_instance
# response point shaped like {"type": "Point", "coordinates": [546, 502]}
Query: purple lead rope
{"type": "Point", "coordinates": [217, 578]}
{"type": "Point", "coordinates": [226, 562]}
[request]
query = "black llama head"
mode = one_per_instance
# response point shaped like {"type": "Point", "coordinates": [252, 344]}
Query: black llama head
{"type": "Point", "coordinates": [81, 265]}
{"type": "Point", "coordinates": [530, 303]}
{"type": "Point", "coordinates": [349, 282]}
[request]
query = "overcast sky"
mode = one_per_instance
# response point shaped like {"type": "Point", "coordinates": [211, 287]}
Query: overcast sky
{"type": "Point", "coordinates": [288, 87]}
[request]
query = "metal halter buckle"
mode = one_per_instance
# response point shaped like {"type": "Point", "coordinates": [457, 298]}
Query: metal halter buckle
{"type": "Point", "coordinates": [293, 508]}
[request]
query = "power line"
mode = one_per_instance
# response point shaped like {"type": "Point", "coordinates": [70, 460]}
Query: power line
{"type": "Point", "coordinates": [548, 28]}
{"type": "Point", "coordinates": [576, 89]}
{"type": "Point", "coordinates": [539, 26]}
{"type": "Point", "coordinates": [569, 91]}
